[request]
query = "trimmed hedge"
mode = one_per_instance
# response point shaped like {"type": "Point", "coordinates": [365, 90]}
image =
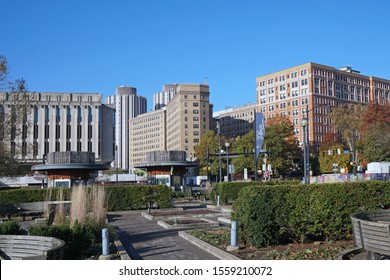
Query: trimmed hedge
{"type": "Point", "coordinates": [228, 191]}
{"type": "Point", "coordinates": [118, 198]}
{"type": "Point", "coordinates": [138, 197]}
{"type": "Point", "coordinates": [278, 214]}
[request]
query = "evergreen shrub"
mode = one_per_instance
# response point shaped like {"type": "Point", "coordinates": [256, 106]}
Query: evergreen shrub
{"type": "Point", "coordinates": [273, 215]}
{"type": "Point", "coordinates": [9, 228]}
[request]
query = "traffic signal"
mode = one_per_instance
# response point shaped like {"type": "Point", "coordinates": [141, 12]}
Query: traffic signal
{"type": "Point", "coordinates": [246, 152]}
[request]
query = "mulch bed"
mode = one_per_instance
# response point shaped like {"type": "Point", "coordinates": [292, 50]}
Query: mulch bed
{"type": "Point", "coordinates": [182, 213]}
{"type": "Point", "coordinates": [185, 222]}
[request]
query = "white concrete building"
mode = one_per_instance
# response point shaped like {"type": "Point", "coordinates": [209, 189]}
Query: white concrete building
{"type": "Point", "coordinates": [57, 122]}
{"type": "Point", "coordinates": [161, 98]}
{"type": "Point", "coordinates": [128, 105]}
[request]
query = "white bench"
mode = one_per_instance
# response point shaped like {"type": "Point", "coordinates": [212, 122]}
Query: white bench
{"type": "Point", "coordinates": [26, 247]}
{"type": "Point", "coordinates": [371, 231]}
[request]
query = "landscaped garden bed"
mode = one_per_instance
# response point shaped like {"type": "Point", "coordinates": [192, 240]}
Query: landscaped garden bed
{"type": "Point", "coordinates": [293, 251]}
{"type": "Point", "coordinates": [187, 223]}
{"type": "Point", "coordinates": [193, 213]}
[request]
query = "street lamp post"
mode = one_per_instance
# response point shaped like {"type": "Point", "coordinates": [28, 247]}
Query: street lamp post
{"type": "Point", "coordinates": [219, 151]}
{"type": "Point", "coordinates": [304, 124]}
{"type": "Point", "coordinates": [306, 142]}
{"type": "Point", "coordinates": [227, 144]}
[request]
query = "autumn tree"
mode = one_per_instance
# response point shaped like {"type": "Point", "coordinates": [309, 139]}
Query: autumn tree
{"type": "Point", "coordinates": [347, 120]}
{"type": "Point", "coordinates": [280, 140]}
{"type": "Point", "coordinates": [376, 133]}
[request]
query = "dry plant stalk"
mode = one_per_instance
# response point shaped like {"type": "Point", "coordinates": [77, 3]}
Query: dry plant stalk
{"type": "Point", "coordinates": [59, 215]}
{"type": "Point", "coordinates": [88, 204]}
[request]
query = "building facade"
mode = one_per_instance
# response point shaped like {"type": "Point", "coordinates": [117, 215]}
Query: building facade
{"type": "Point", "coordinates": [57, 122]}
{"type": "Point", "coordinates": [161, 99]}
{"type": "Point", "coordinates": [147, 134]}
{"type": "Point", "coordinates": [189, 116]}
{"type": "Point", "coordinates": [313, 87]}
{"type": "Point", "coordinates": [128, 105]}
{"type": "Point", "coordinates": [176, 127]}
{"type": "Point", "coordinates": [237, 121]}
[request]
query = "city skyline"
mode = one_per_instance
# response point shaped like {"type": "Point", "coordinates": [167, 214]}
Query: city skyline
{"type": "Point", "coordinates": [73, 46]}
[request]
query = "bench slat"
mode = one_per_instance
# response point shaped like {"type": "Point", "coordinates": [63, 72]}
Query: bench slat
{"type": "Point", "coordinates": [28, 247]}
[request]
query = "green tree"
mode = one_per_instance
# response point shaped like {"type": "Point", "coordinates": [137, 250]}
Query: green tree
{"type": "Point", "coordinates": [210, 142]}
{"type": "Point", "coordinates": [281, 142]}
{"type": "Point", "coordinates": [242, 144]}
{"type": "Point", "coordinates": [330, 155]}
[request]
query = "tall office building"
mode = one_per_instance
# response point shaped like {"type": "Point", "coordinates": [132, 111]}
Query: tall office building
{"type": "Point", "coordinates": [58, 122]}
{"type": "Point", "coordinates": [189, 116]}
{"type": "Point", "coordinates": [147, 134]}
{"type": "Point", "coordinates": [128, 105]}
{"type": "Point", "coordinates": [176, 127]}
{"type": "Point", "coordinates": [236, 121]}
{"type": "Point", "coordinates": [161, 99]}
{"type": "Point", "coordinates": [314, 86]}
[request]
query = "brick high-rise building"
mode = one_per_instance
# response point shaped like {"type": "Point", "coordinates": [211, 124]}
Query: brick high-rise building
{"type": "Point", "coordinates": [290, 91]}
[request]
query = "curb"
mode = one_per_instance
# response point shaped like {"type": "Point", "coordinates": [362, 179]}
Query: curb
{"type": "Point", "coordinates": [346, 254]}
{"type": "Point", "coordinates": [221, 254]}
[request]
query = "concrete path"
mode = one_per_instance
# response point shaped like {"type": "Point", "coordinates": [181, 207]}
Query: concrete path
{"type": "Point", "coordinates": [146, 240]}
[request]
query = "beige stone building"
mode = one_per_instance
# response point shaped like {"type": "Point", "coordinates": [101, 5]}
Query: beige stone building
{"type": "Point", "coordinates": [236, 121]}
{"type": "Point", "coordinates": [177, 127]}
{"type": "Point", "coordinates": [189, 115]}
{"type": "Point", "coordinates": [147, 133]}
{"type": "Point", "coordinates": [314, 86]}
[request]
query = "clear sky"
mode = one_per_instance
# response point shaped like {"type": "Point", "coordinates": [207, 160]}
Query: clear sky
{"type": "Point", "coordinates": [96, 46]}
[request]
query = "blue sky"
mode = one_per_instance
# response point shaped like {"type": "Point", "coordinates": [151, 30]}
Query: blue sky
{"type": "Point", "coordinates": [96, 46]}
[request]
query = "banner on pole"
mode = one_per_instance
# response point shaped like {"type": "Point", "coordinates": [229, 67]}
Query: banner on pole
{"type": "Point", "coordinates": [259, 132]}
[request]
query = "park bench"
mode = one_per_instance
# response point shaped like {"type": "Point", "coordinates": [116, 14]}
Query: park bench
{"type": "Point", "coordinates": [371, 231]}
{"type": "Point", "coordinates": [26, 247]}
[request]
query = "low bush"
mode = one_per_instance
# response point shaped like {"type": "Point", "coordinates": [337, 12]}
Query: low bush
{"type": "Point", "coordinates": [138, 197]}
{"type": "Point", "coordinates": [9, 228]}
{"type": "Point", "coordinates": [228, 191]}
{"type": "Point", "coordinates": [274, 215]}
{"type": "Point", "coordinates": [120, 198]}
{"type": "Point", "coordinates": [78, 238]}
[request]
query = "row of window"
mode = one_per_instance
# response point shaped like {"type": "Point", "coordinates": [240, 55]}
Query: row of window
{"type": "Point", "coordinates": [282, 78]}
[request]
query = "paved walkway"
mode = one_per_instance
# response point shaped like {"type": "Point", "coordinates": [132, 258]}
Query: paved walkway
{"type": "Point", "coordinates": [146, 240]}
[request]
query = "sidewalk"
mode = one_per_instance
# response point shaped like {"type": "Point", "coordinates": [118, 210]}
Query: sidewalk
{"type": "Point", "coordinates": [146, 240]}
